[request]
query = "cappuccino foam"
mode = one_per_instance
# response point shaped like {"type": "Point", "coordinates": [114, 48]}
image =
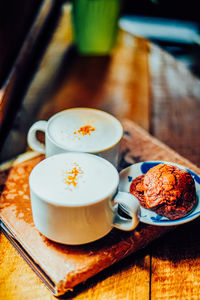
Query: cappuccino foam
{"type": "Point", "coordinates": [85, 130]}
{"type": "Point", "coordinates": [73, 179]}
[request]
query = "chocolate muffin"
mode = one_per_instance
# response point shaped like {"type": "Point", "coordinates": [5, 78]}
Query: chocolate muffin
{"type": "Point", "coordinates": [167, 190]}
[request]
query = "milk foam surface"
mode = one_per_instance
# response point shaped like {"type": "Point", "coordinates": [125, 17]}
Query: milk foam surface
{"type": "Point", "coordinates": [74, 179]}
{"type": "Point", "coordinates": [105, 131]}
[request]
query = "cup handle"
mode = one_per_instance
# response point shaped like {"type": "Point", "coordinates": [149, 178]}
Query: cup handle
{"type": "Point", "coordinates": [130, 205]}
{"type": "Point", "coordinates": [32, 140]}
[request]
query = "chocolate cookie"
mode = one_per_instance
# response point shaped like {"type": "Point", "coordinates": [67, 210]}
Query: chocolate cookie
{"type": "Point", "coordinates": [167, 190]}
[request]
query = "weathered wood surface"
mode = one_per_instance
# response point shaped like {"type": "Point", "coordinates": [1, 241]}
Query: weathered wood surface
{"type": "Point", "coordinates": [175, 120]}
{"type": "Point", "coordinates": [175, 115]}
{"type": "Point", "coordinates": [142, 83]}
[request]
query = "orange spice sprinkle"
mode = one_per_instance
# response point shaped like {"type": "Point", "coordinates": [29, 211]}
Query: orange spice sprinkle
{"type": "Point", "coordinates": [87, 129]}
{"type": "Point", "coordinates": [72, 176]}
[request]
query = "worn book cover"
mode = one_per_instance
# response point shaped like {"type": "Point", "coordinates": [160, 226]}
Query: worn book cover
{"type": "Point", "coordinates": [63, 267]}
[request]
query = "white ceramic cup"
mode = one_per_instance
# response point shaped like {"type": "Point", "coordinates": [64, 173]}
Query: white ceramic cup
{"type": "Point", "coordinates": [75, 201]}
{"type": "Point", "coordinates": [80, 130]}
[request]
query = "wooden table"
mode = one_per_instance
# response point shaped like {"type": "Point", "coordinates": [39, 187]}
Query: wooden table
{"type": "Point", "coordinates": [140, 82]}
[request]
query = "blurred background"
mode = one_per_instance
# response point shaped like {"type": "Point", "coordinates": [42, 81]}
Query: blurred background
{"type": "Point", "coordinates": [172, 24]}
{"type": "Point", "coordinates": [177, 9]}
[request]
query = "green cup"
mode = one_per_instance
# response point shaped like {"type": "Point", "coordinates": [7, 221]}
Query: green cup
{"type": "Point", "coordinates": [95, 25]}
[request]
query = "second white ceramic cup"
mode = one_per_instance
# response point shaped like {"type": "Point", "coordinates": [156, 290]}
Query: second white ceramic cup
{"type": "Point", "coordinates": [74, 198]}
{"type": "Point", "coordinates": [80, 130]}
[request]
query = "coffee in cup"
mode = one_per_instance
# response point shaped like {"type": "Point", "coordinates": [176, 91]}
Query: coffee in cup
{"type": "Point", "coordinates": [75, 201]}
{"type": "Point", "coordinates": [80, 130]}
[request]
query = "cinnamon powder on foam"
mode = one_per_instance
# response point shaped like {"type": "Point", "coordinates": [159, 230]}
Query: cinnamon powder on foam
{"type": "Point", "coordinates": [84, 130]}
{"type": "Point", "coordinates": [72, 176]}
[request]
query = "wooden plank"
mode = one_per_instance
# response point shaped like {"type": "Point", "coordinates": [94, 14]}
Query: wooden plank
{"type": "Point", "coordinates": [175, 120]}
{"type": "Point", "coordinates": [126, 280]}
{"type": "Point", "coordinates": [17, 280]}
{"type": "Point", "coordinates": [175, 269]}
{"type": "Point", "coordinates": [175, 104]}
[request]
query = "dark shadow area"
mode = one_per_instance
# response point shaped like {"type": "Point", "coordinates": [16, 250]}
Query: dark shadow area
{"type": "Point", "coordinates": [15, 21]}
{"type": "Point", "coordinates": [181, 244]}
{"type": "Point", "coordinates": [183, 48]}
{"type": "Point", "coordinates": [27, 64]}
{"type": "Point", "coordinates": [174, 9]}
{"type": "Point", "coordinates": [3, 177]}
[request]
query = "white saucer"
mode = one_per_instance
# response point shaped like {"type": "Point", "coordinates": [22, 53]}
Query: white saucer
{"type": "Point", "coordinates": [147, 216]}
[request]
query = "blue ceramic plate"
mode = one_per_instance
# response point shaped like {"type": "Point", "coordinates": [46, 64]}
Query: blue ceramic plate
{"type": "Point", "coordinates": [147, 216]}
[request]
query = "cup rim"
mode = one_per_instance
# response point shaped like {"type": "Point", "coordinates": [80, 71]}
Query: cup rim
{"type": "Point", "coordinates": [89, 150]}
{"type": "Point", "coordinates": [112, 190]}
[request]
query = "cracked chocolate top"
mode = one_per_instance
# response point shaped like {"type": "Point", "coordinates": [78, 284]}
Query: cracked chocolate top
{"type": "Point", "coordinates": [166, 189]}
